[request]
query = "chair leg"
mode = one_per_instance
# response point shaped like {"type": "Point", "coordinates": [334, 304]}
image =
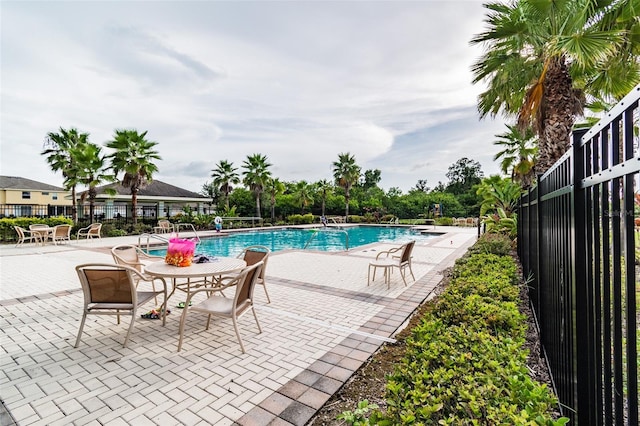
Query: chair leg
{"type": "Point", "coordinates": [133, 320]}
{"type": "Point", "coordinates": [182, 322]}
{"type": "Point", "coordinates": [235, 327]}
{"type": "Point", "coordinates": [264, 285]}
{"type": "Point", "coordinates": [256, 317]}
{"type": "Point", "coordinates": [84, 317]}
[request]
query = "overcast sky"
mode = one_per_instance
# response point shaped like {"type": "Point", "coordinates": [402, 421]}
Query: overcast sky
{"type": "Point", "coordinates": [297, 81]}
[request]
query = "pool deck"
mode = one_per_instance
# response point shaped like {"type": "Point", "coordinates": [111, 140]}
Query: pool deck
{"type": "Point", "coordinates": [322, 324]}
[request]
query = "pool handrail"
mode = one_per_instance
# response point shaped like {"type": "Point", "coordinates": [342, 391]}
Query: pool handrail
{"type": "Point", "coordinates": [149, 237]}
{"type": "Point", "coordinates": [187, 225]}
{"type": "Point", "coordinates": [316, 230]}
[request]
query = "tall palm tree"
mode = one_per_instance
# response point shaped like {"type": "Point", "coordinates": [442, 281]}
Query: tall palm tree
{"type": "Point", "coordinates": [543, 58]}
{"type": "Point", "coordinates": [346, 174]}
{"type": "Point", "coordinates": [133, 155]}
{"type": "Point", "coordinates": [518, 154]}
{"type": "Point", "coordinates": [58, 149]}
{"type": "Point", "coordinates": [256, 176]}
{"type": "Point", "coordinates": [274, 187]}
{"type": "Point", "coordinates": [324, 188]}
{"type": "Point", "coordinates": [304, 194]}
{"type": "Point", "coordinates": [92, 172]}
{"type": "Point", "coordinates": [225, 175]}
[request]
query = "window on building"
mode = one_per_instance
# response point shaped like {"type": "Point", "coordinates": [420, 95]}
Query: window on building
{"type": "Point", "coordinates": [54, 196]}
{"type": "Point", "coordinates": [45, 193]}
{"type": "Point", "coordinates": [26, 195]}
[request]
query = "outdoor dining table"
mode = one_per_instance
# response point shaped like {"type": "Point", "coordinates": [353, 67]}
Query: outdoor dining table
{"type": "Point", "coordinates": [197, 275]}
{"type": "Point", "coordinates": [43, 232]}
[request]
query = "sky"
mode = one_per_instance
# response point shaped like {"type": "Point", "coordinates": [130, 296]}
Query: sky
{"type": "Point", "coordinates": [298, 81]}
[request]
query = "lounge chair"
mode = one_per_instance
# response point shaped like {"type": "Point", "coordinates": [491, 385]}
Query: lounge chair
{"type": "Point", "coordinates": [244, 284]}
{"type": "Point", "coordinates": [164, 227]}
{"type": "Point", "coordinates": [60, 233]}
{"type": "Point", "coordinates": [253, 255]}
{"type": "Point", "coordinates": [135, 258]}
{"type": "Point", "coordinates": [399, 257]}
{"type": "Point", "coordinates": [26, 236]}
{"type": "Point", "coordinates": [111, 290]}
{"type": "Point", "coordinates": [91, 231]}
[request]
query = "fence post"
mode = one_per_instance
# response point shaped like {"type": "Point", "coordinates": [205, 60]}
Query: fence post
{"type": "Point", "coordinates": [584, 318]}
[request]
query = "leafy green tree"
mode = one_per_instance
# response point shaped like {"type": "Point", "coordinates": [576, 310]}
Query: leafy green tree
{"type": "Point", "coordinates": [211, 190]}
{"type": "Point", "coordinates": [58, 149]}
{"type": "Point", "coordinates": [542, 57]}
{"type": "Point", "coordinates": [243, 201]}
{"type": "Point", "coordinates": [91, 171]}
{"type": "Point", "coordinates": [371, 178]}
{"type": "Point", "coordinates": [133, 156]}
{"type": "Point", "coordinates": [304, 194]}
{"type": "Point", "coordinates": [256, 176]}
{"type": "Point", "coordinates": [518, 155]}
{"type": "Point", "coordinates": [422, 185]}
{"type": "Point", "coordinates": [274, 188]}
{"type": "Point", "coordinates": [346, 173]}
{"type": "Point", "coordinates": [324, 188]}
{"type": "Point", "coordinates": [499, 193]}
{"type": "Point", "coordinates": [224, 176]}
{"type": "Point", "coordinates": [462, 175]}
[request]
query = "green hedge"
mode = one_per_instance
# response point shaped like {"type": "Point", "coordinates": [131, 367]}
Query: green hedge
{"type": "Point", "coordinates": [466, 361]}
{"type": "Point", "coordinates": [8, 233]}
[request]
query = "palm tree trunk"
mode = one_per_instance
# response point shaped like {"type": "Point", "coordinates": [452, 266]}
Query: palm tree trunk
{"type": "Point", "coordinates": [134, 205]}
{"type": "Point", "coordinates": [258, 205]}
{"type": "Point", "coordinates": [74, 207]}
{"type": "Point", "coordinates": [346, 208]}
{"type": "Point", "coordinates": [558, 114]}
{"type": "Point", "coordinates": [273, 210]}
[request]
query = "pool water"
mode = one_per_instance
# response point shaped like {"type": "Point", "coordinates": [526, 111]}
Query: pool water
{"type": "Point", "coordinates": [329, 239]}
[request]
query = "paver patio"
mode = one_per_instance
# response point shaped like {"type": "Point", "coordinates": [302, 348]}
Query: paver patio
{"type": "Point", "coordinates": [323, 323]}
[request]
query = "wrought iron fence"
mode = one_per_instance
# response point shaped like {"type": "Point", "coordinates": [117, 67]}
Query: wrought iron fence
{"type": "Point", "coordinates": [579, 248]}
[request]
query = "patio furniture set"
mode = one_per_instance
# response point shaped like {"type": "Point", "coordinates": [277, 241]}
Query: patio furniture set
{"type": "Point", "coordinates": [112, 289]}
{"type": "Point", "coordinates": [41, 233]}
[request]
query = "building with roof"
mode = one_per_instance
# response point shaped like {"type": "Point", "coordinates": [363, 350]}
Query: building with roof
{"type": "Point", "coordinates": [155, 200]}
{"type": "Point", "coordinates": [25, 197]}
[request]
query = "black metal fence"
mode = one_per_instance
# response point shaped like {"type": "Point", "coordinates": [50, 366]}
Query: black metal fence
{"type": "Point", "coordinates": [579, 249]}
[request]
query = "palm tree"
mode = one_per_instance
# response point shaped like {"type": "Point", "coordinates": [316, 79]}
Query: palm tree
{"type": "Point", "coordinates": [346, 173]}
{"type": "Point", "coordinates": [304, 194]}
{"type": "Point", "coordinates": [58, 149]}
{"type": "Point", "coordinates": [256, 176]}
{"type": "Point", "coordinates": [225, 175]}
{"type": "Point", "coordinates": [518, 155]}
{"type": "Point", "coordinates": [324, 188]}
{"type": "Point", "coordinates": [543, 57]}
{"type": "Point", "coordinates": [133, 155]}
{"type": "Point", "coordinates": [274, 187]}
{"type": "Point", "coordinates": [91, 171]}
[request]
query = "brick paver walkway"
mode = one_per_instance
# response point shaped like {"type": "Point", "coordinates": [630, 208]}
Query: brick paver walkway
{"type": "Point", "coordinates": [323, 323]}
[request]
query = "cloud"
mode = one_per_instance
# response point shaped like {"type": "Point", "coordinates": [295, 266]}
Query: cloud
{"type": "Point", "coordinates": [299, 82]}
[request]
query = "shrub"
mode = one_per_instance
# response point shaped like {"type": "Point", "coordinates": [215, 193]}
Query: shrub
{"type": "Point", "coordinates": [444, 221]}
{"type": "Point", "coordinates": [499, 244]}
{"type": "Point", "coordinates": [465, 362]}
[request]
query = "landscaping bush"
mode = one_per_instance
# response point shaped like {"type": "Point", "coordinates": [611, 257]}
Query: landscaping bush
{"type": "Point", "coordinates": [444, 221]}
{"type": "Point", "coordinates": [499, 244]}
{"type": "Point", "coordinates": [9, 234]}
{"type": "Point", "coordinates": [465, 362]}
{"type": "Point", "coordinates": [297, 219]}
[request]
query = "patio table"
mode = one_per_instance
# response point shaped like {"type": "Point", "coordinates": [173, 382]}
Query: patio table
{"type": "Point", "coordinates": [43, 231]}
{"type": "Point", "coordinates": [197, 275]}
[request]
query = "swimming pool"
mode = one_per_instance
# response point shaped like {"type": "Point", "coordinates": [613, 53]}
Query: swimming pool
{"type": "Point", "coordinates": [329, 239]}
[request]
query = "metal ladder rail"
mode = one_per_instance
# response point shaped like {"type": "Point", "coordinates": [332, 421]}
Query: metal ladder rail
{"type": "Point", "coordinates": [188, 225]}
{"type": "Point", "coordinates": [149, 237]}
{"type": "Point", "coordinates": [315, 233]}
